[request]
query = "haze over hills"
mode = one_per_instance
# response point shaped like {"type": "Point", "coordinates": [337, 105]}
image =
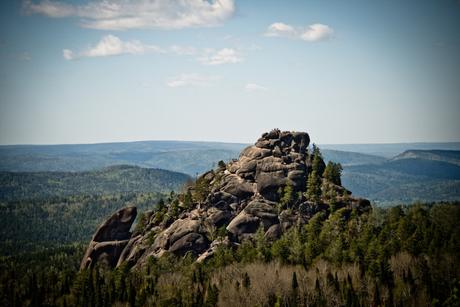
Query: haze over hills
{"type": "Point", "coordinates": [389, 150]}
{"type": "Point", "coordinates": [407, 176]}
{"type": "Point", "coordinates": [449, 156]}
{"type": "Point", "coordinates": [180, 156]}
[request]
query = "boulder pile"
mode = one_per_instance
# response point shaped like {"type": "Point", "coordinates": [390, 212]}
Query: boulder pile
{"type": "Point", "coordinates": [224, 207]}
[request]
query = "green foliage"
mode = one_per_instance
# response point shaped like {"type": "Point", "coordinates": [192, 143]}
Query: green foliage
{"type": "Point", "coordinates": [112, 180]}
{"type": "Point", "coordinates": [32, 225]}
{"type": "Point", "coordinates": [288, 196]}
{"type": "Point", "coordinates": [221, 164]}
{"type": "Point", "coordinates": [314, 187]}
{"type": "Point", "coordinates": [333, 173]}
{"type": "Point", "coordinates": [318, 164]}
{"type": "Point", "coordinates": [201, 189]}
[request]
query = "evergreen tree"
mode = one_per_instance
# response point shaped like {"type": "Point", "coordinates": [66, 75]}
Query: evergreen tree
{"type": "Point", "coordinates": [314, 187]}
{"type": "Point", "coordinates": [294, 283]}
{"type": "Point", "coordinates": [318, 164]}
{"type": "Point", "coordinates": [333, 173]}
{"type": "Point", "coordinates": [288, 196]}
{"type": "Point", "coordinates": [246, 281]}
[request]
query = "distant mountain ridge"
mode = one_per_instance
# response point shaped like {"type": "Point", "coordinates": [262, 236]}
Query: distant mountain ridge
{"type": "Point", "coordinates": [373, 171]}
{"type": "Point", "coordinates": [449, 156]}
{"type": "Point", "coordinates": [180, 156]}
{"type": "Point", "coordinates": [414, 175]}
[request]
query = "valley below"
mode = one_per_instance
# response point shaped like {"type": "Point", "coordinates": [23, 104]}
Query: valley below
{"type": "Point", "coordinates": [384, 214]}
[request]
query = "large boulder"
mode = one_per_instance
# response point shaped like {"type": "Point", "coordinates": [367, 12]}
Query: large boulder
{"type": "Point", "coordinates": [257, 213]}
{"type": "Point", "coordinates": [110, 239]}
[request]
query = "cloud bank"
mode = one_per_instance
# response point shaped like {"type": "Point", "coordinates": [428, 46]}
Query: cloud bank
{"type": "Point", "coordinates": [312, 33]}
{"type": "Point", "coordinates": [140, 14]}
{"type": "Point", "coordinates": [111, 45]}
{"type": "Point", "coordinates": [222, 56]}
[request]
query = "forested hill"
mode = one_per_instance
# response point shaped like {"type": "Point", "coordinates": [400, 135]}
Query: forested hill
{"type": "Point", "coordinates": [448, 156]}
{"type": "Point", "coordinates": [113, 179]}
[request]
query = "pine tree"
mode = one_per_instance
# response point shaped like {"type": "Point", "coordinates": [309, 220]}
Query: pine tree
{"type": "Point", "coordinates": [333, 172]}
{"type": "Point", "coordinates": [288, 197]}
{"type": "Point", "coordinates": [314, 187]}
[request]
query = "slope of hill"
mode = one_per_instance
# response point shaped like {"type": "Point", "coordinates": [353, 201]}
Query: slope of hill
{"type": "Point", "coordinates": [449, 156]}
{"type": "Point", "coordinates": [400, 178]}
{"type": "Point", "coordinates": [348, 158]}
{"type": "Point", "coordinates": [390, 150]}
{"type": "Point", "coordinates": [411, 176]}
{"type": "Point", "coordinates": [114, 179]}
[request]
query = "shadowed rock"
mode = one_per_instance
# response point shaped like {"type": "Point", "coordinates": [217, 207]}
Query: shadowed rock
{"type": "Point", "coordinates": [110, 239]}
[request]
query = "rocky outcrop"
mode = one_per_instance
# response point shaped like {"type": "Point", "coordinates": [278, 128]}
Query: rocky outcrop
{"type": "Point", "coordinates": [229, 205]}
{"type": "Point", "coordinates": [110, 239]}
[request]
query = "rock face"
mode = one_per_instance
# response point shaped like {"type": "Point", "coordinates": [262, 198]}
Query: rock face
{"type": "Point", "coordinates": [110, 239]}
{"type": "Point", "coordinates": [229, 205]}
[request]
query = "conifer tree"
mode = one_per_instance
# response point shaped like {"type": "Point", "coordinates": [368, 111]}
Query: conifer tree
{"type": "Point", "coordinates": [314, 187]}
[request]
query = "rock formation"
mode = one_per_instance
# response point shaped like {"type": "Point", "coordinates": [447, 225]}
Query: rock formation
{"type": "Point", "coordinates": [224, 207]}
{"type": "Point", "coordinates": [110, 239]}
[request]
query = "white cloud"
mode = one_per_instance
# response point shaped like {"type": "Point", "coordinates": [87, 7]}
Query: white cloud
{"type": "Point", "coordinates": [191, 80]}
{"type": "Point", "coordinates": [280, 29]}
{"type": "Point", "coordinates": [183, 50]}
{"type": "Point", "coordinates": [312, 33]}
{"type": "Point", "coordinates": [252, 87]}
{"type": "Point", "coordinates": [317, 32]}
{"type": "Point", "coordinates": [141, 14]}
{"type": "Point", "coordinates": [111, 45]}
{"type": "Point", "coordinates": [223, 56]}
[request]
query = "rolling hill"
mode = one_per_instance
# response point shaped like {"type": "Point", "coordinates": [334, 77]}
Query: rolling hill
{"type": "Point", "coordinates": [408, 177]}
{"type": "Point", "coordinates": [385, 173]}
{"type": "Point", "coordinates": [114, 179]}
{"type": "Point", "coordinates": [180, 156]}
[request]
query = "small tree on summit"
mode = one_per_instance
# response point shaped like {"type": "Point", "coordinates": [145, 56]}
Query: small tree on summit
{"type": "Point", "coordinates": [318, 164]}
{"type": "Point", "coordinates": [314, 178]}
{"type": "Point", "coordinates": [333, 172]}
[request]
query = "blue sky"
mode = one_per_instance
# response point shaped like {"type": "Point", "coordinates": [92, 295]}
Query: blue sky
{"type": "Point", "coordinates": [344, 71]}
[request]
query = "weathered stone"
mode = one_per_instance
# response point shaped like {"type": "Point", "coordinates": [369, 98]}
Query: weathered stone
{"type": "Point", "coordinates": [209, 253]}
{"type": "Point", "coordinates": [253, 152]}
{"type": "Point", "coordinates": [219, 218]}
{"type": "Point", "coordinates": [193, 242]}
{"type": "Point", "coordinates": [273, 233]}
{"type": "Point", "coordinates": [110, 239]}
{"type": "Point", "coordinates": [243, 223]}
{"type": "Point", "coordinates": [238, 187]}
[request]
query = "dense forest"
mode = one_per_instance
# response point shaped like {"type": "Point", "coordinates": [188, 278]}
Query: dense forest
{"type": "Point", "coordinates": [32, 225]}
{"type": "Point", "coordinates": [399, 256]}
{"type": "Point", "coordinates": [388, 257]}
{"type": "Point", "coordinates": [113, 179]}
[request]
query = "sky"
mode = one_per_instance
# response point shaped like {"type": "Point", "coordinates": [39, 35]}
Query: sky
{"type": "Point", "coordinates": [228, 70]}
